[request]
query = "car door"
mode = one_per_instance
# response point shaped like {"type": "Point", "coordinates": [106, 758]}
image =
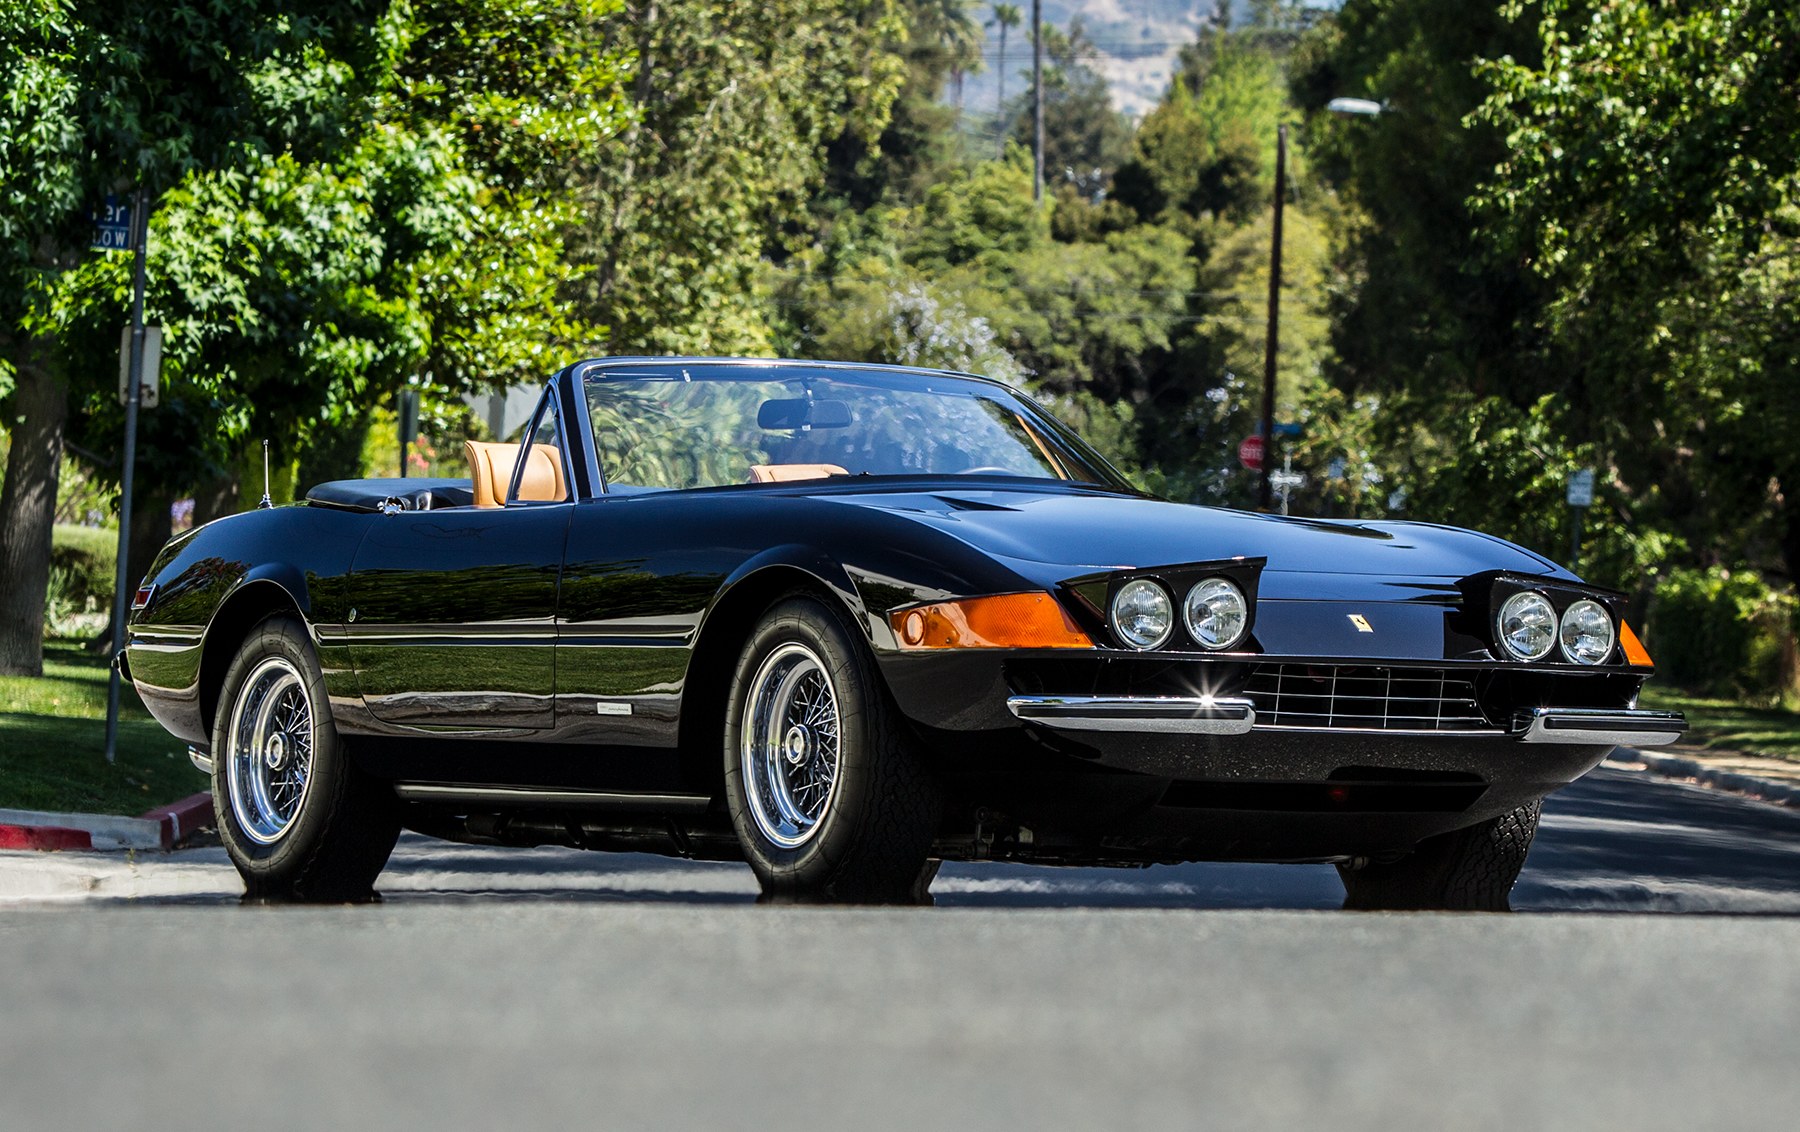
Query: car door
{"type": "Point", "coordinates": [636, 586]}
{"type": "Point", "coordinates": [453, 619]}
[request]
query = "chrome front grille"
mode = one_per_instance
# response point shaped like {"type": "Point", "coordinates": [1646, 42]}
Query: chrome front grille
{"type": "Point", "coordinates": [1364, 698]}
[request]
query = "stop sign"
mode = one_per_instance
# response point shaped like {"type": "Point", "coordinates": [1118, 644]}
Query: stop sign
{"type": "Point", "coordinates": [1250, 453]}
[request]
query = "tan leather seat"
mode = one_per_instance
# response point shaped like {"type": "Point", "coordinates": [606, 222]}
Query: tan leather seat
{"type": "Point", "coordinates": [785, 473]}
{"type": "Point", "coordinates": [491, 471]}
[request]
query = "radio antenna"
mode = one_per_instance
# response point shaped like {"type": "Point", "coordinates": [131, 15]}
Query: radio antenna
{"type": "Point", "coordinates": [265, 499]}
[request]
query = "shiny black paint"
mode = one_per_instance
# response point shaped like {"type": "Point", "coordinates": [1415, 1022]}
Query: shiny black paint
{"type": "Point", "coordinates": [455, 616]}
{"type": "Point", "coordinates": [579, 644]}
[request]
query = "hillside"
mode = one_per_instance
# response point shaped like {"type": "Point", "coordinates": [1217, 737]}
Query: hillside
{"type": "Point", "coordinates": [1135, 41]}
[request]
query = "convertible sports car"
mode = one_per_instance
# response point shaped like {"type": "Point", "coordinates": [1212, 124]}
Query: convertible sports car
{"type": "Point", "coordinates": [846, 621]}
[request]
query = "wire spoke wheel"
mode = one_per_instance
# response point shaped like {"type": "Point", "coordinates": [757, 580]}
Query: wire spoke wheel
{"type": "Point", "coordinates": [269, 755]}
{"type": "Point", "coordinates": [790, 748]}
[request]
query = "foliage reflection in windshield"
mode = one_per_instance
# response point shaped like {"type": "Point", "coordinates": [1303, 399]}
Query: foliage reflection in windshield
{"type": "Point", "coordinates": [671, 431]}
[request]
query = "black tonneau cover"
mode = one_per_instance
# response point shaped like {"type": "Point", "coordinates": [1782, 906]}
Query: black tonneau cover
{"type": "Point", "coordinates": [410, 494]}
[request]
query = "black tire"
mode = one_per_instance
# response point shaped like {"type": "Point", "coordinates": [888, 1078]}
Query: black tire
{"type": "Point", "coordinates": [1470, 870]}
{"type": "Point", "coordinates": [871, 835]}
{"type": "Point", "coordinates": [329, 837]}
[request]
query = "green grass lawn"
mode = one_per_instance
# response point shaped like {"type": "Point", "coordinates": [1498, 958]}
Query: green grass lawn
{"type": "Point", "coordinates": [1726, 726]}
{"type": "Point", "coordinates": [53, 743]}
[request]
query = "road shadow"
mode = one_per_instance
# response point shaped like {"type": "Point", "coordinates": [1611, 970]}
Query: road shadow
{"type": "Point", "coordinates": [1620, 841]}
{"type": "Point", "coordinates": [1617, 841]}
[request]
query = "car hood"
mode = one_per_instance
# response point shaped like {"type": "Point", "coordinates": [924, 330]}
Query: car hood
{"type": "Point", "coordinates": [1090, 532]}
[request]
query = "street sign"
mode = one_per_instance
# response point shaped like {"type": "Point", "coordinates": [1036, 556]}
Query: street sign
{"type": "Point", "coordinates": [1287, 479]}
{"type": "Point", "coordinates": [112, 226]}
{"type": "Point", "coordinates": [1581, 487]}
{"type": "Point", "coordinates": [1286, 428]}
{"type": "Point", "coordinates": [1250, 453]}
{"type": "Point", "coordinates": [152, 363]}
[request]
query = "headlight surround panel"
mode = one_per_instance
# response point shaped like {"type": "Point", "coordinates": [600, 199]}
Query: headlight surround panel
{"type": "Point", "coordinates": [1491, 598]}
{"type": "Point", "coordinates": [1094, 595]}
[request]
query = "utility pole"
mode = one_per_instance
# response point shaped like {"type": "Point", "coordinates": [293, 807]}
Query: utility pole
{"type": "Point", "coordinates": [1037, 100]}
{"type": "Point", "coordinates": [1267, 497]}
{"type": "Point", "coordinates": [134, 392]}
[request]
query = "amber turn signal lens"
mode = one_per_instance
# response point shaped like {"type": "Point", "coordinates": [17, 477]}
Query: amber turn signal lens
{"type": "Point", "coordinates": [1004, 621]}
{"type": "Point", "coordinates": [1635, 653]}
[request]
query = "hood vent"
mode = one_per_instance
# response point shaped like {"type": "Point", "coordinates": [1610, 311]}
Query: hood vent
{"type": "Point", "coordinates": [958, 503]}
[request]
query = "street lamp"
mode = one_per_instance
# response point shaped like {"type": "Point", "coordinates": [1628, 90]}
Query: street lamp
{"type": "Point", "coordinates": [1365, 107]}
{"type": "Point", "coordinates": [1265, 490]}
{"type": "Point", "coordinates": [1359, 106]}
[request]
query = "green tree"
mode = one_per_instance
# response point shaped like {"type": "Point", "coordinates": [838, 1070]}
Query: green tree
{"type": "Point", "coordinates": [1085, 139]}
{"type": "Point", "coordinates": [301, 287]}
{"type": "Point", "coordinates": [1208, 148]}
{"type": "Point", "coordinates": [732, 107]}
{"type": "Point", "coordinates": [94, 99]}
{"type": "Point", "coordinates": [1650, 182]}
{"type": "Point", "coordinates": [1006, 17]}
{"type": "Point", "coordinates": [1431, 329]}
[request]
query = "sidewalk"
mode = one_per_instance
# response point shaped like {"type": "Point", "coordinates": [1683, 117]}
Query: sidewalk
{"type": "Point", "coordinates": [1776, 781]}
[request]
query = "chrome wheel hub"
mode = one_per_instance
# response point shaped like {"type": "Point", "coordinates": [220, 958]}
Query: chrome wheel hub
{"type": "Point", "coordinates": [797, 745]}
{"type": "Point", "coordinates": [269, 745]}
{"type": "Point", "coordinates": [789, 745]}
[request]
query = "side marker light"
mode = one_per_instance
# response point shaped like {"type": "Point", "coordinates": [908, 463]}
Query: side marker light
{"type": "Point", "coordinates": [1002, 621]}
{"type": "Point", "coordinates": [1635, 652]}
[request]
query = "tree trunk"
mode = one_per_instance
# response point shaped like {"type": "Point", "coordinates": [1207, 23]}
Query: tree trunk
{"type": "Point", "coordinates": [28, 506]}
{"type": "Point", "coordinates": [1789, 484]}
{"type": "Point", "coordinates": [1000, 98]}
{"type": "Point", "coordinates": [215, 499]}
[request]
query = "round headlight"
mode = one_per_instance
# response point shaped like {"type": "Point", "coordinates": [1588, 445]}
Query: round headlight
{"type": "Point", "coordinates": [1587, 633]}
{"type": "Point", "coordinates": [1527, 626]}
{"type": "Point", "coordinates": [1142, 614]}
{"type": "Point", "coordinates": [1216, 613]}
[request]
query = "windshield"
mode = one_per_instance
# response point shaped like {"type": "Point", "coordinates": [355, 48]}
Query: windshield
{"type": "Point", "coordinates": [692, 427]}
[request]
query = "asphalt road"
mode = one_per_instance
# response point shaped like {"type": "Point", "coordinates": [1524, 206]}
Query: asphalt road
{"type": "Point", "coordinates": [545, 987]}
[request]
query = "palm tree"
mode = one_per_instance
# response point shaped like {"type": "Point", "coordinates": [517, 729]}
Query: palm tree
{"type": "Point", "coordinates": [1007, 16]}
{"type": "Point", "coordinates": [949, 29]}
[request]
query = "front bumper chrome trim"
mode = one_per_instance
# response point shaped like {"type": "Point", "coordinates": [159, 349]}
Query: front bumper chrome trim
{"type": "Point", "coordinates": [200, 757]}
{"type": "Point", "coordinates": [1182, 715]}
{"type": "Point", "coordinates": [1618, 727]}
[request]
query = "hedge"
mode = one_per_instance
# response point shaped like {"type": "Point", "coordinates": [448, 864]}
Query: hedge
{"type": "Point", "coordinates": [1725, 633]}
{"type": "Point", "coordinates": [89, 556]}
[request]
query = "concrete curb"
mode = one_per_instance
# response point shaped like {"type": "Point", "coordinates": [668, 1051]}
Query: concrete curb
{"type": "Point", "coordinates": [178, 819]}
{"type": "Point", "coordinates": [45, 838]}
{"type": "Point", "coordinates": [161, 828]}
{"type": "Point", "coordinates": [1686, 769]}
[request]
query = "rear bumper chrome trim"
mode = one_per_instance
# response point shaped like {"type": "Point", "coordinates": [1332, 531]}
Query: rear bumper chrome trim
{"type": "Point", "coordinates": [1618, 727]}
{"type": "Point", "coordinates": [201, 758]}
{"type": "Point", "coordinates": [528, 797]}
{"type": "Point", "coordinates": [1183, 715]}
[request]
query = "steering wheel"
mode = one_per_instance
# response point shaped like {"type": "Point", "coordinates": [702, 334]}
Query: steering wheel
{"type": "Point", "coordinates": [987, 470]}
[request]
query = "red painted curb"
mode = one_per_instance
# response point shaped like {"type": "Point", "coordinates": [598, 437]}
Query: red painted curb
{"type": "Point", "coordinates": [44, 837]}
{"type": "Point", "coordinates": [181, 818]}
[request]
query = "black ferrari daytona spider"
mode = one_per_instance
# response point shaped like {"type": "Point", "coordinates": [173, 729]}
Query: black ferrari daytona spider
{"type": "Point", "coordinates": [846, 621]}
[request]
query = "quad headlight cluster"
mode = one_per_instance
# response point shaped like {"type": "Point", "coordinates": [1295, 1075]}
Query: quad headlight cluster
{"type": "Point", "coordinates": [1528, 628]}
{"type": "Point", "coordinates": [1214, 612]}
